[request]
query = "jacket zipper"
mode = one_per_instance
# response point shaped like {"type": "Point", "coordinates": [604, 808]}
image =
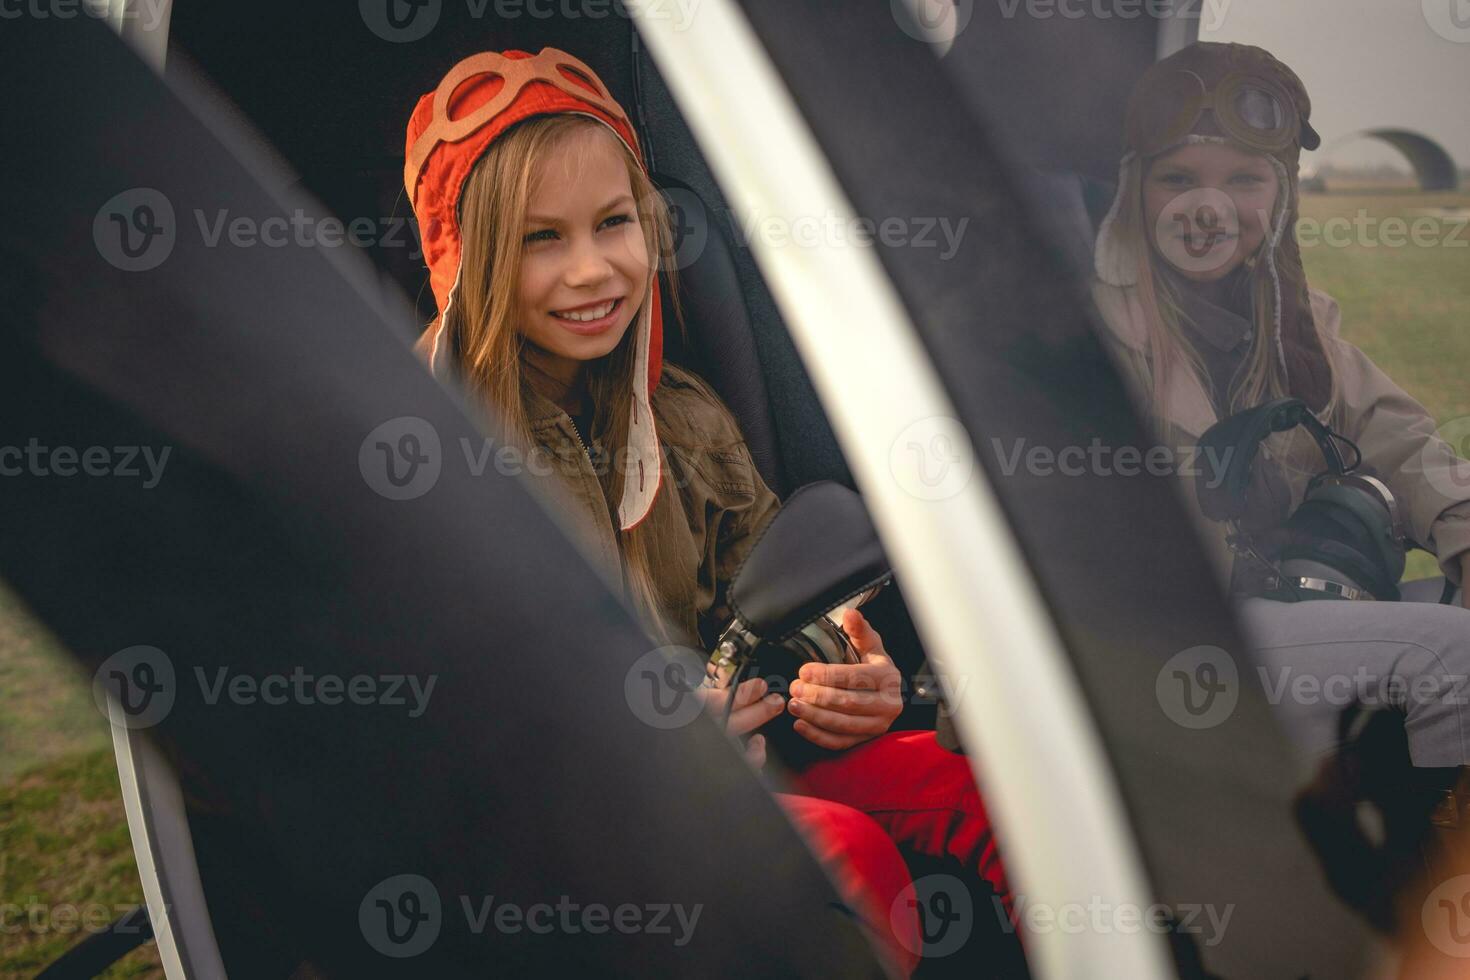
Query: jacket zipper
{"type": "Point", "coordinates": [587, 454]}
{"type": "Point", "coordinates": [582, 445]}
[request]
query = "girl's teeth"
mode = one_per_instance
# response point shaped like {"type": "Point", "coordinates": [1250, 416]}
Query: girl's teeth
{"type": "Point", "coordinates": [593, 314]}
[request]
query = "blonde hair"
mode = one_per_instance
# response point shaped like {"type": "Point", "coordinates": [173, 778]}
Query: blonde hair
{"type": "Point", "coordinates": [482, 318]}
{"type": "Point", "coordinates": [1261, 377]}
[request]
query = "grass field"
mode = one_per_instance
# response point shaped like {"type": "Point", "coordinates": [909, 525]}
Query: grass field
{"type": "Point", "coordinates": [63, 841]}
{"type": "Point", "coordinates": [1406, 305]}
{"type": "Point", "coordinates": [65, 858]}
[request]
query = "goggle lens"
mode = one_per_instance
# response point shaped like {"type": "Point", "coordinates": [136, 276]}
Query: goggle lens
{"type": "Point", "coordinates": [1168, 115]}
{"type": "Point", "coordinates": [1259, 109]}
{"type": "Point", "coordinates": [1247, 110]}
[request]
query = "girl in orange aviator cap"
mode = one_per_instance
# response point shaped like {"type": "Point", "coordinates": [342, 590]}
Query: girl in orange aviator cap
{"type": "Point", "coordinates": [543, 234]}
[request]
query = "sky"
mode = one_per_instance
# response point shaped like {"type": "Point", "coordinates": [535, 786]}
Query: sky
{"type": "Point", "coordinates": [1366, 64]}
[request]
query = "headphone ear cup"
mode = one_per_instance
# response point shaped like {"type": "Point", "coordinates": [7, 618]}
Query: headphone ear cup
{"type": "Point", "coordinates": [1344, 528]}
{"type": "Point", "coordinates": [1378, 522]}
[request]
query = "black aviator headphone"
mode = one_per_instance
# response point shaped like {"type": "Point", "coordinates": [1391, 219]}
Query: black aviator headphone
{"type": "Point", "coordinates": [1345, 541]}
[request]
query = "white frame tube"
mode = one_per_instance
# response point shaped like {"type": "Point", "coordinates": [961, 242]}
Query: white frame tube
{"type": "Point", "coordinates": [144, 24]}
{"type": "Point", "coordinates": [1049, 785]}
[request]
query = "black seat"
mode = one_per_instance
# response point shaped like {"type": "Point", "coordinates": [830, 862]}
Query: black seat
{"type": "Point", "coordinates": [719, 344]}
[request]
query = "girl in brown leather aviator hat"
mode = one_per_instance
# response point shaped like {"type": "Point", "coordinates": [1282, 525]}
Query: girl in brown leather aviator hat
{"type": "Point", "coordinates": [1198, 276]}
{"type": "Point", "coordinates": [543, 235]}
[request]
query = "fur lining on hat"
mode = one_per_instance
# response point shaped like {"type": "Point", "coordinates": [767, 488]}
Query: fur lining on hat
{"type": "Point", "coordinates": [1113, 260]}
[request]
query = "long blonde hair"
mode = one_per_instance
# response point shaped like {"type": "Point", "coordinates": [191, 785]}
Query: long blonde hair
{"type": "Point", "coordinates": [1261, 377]}
{"type": "Point", "coordinates": [482, 319]}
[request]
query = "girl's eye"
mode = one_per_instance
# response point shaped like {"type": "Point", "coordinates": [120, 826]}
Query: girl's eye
{"type": "Point", "coordinates": [1248, 180]}
{"type": "Point", "coordinates": [615, 220]}
{"type": "Point", "coordinates": [1174, 179]}
{"type": "Point", "coordinates": [544, 235]}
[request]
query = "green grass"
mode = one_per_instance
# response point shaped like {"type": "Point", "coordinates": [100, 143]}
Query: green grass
{"type": "Point", "coordinates": [67, 862]}
{"type": "Point", "coordinates": [63, 837]}
{"type": "Point", "coordinates": [1407, 307]}
{"type": "Point", "coordinates": [46, 710]}
{"type": "Point", "coordinates": [61, 821]}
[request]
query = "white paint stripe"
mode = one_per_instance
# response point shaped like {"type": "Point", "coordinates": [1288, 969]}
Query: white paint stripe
{"type": "Point", "coordinates": [1048, 782]}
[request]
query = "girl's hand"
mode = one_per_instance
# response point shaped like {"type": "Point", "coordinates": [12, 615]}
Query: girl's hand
{"type": "Point", "coordinates": [753, 708]}
{"type": "Point", "coordinates": [839, 705]}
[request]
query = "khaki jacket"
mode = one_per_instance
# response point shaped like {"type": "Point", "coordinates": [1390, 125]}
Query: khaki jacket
{"type": "Point", "coordinates": [704, 519]}
{"type": "Point", "coordinates": [1395, 433]}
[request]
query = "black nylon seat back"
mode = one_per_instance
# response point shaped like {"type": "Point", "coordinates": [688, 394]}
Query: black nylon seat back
{"type": "Point", "coordinates": [719, 341]}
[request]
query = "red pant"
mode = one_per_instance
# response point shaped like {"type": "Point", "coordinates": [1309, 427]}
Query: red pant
{"type": "Point", "coordinates": [920, 796]}
{"type": "Point", "coordinates": [869, 872]}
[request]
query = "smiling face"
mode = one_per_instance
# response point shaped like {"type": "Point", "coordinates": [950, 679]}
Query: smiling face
{"type": "Point", "coordinates": [1208, 207]}
{"type": "Point", "coordinates": [584, 261]}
